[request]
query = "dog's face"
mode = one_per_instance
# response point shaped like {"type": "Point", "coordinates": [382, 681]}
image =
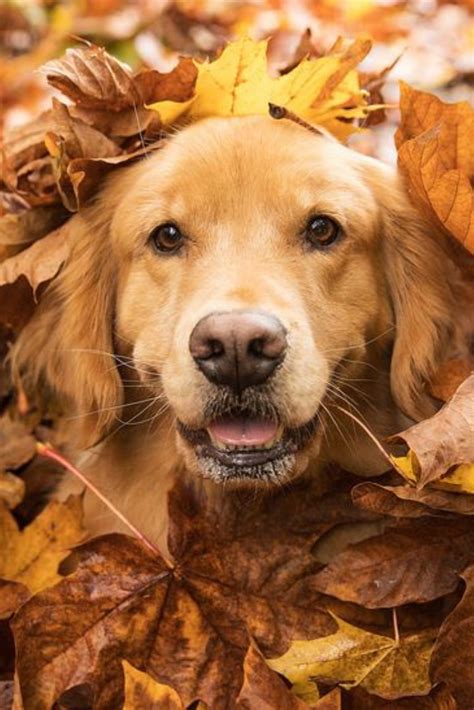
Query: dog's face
{"type": "Point", "coordinates": [248, 276]}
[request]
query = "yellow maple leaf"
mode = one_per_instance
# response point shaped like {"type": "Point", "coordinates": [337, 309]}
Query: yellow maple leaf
{"type": "Point", "coordinates": [31, 556]}
{"type": "Point", "coordinates": [390, 668]}
{"type": "Point", "coordinates": [323, 90]}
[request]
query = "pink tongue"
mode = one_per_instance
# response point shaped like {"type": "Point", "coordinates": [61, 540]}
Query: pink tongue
{"type": "Point", "coordinates": [249, 432]}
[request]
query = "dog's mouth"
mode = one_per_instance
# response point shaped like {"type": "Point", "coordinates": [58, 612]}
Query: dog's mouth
{"type": "Point", "coordinates": [247, 448]}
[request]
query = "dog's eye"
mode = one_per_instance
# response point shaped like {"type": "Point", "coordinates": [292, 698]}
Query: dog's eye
{"type": "Point", "coordinates": [322, 231]}
{"type": "Point", "coordinates": [167, 239]}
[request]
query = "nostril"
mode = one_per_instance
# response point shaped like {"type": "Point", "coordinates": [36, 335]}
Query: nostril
{"type": "Point", "coordinates": [256, 347]}
{"type": "Point", "coordinates": [215, 348]}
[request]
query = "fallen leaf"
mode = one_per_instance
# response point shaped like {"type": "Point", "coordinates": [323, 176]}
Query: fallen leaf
{"type": "Point", "coordinates": [186, 625]}
{"type": "Point", "coordinates": [409, 502]}
{"type": "Point", "coordinates": [31, 556]}
{"type": "Point", "coordinates": [434, 142]}
{"type": "Point", "coordinates": [323, 90]}
{"type": "Point", "coordinates": [445, 440]}
{"type": "Point", "coordinates": [12, 596]}
{"type": "Point", "coordinates": [412, 562]}
{"type": "Point", "coordinates": [12, 489]}
{"type": "Point", "coordinates": [141, 691]}
{"type": "Point", "coordinates": [262, 688]}
{"type": "Point", "coordinates": [387, 667]}
{"type": "Point", "coordinates": [453, 655]}
{"type": "Point", "coordinates": [41, 261]}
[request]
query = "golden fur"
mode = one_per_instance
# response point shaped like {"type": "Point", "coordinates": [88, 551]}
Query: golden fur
{"type": "Point", "coordinates": [367, 321]}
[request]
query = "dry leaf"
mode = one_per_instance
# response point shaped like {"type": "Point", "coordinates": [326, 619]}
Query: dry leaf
{"type": "Point", "coordinates": [262, 688]}
{"type": "Point", "coordinates": [141, 691]}
{"type": "Point", "coordinates": [445, 440]}
{"type": "Point", "coordinates": [108, 96]}
{"type": "Point", "coordinates": [31, 556]}
{"type": "Point", "coordinates": [387, 667]}
{"type": "Point", "coordinates": [415, 561]}
{"type": "Point", "coordinates": [435, 153]}
{"type": "Point", "coordinates": [186, 626]}
{"type": "Point", "coordinates": [323, 90]}
{"type": "Point", "coordinates": [408, 502]}
{"type": "Point", "coordinates": [41, 261]}
{"type": "Point", "coordinates": [453, 655]}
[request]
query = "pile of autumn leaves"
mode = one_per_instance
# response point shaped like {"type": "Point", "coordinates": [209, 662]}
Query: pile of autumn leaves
{"type": "Point", "coordinates": [244, 613]}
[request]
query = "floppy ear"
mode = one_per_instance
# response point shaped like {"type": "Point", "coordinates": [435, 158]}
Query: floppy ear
{"type": "Point", "coordinates": [422, 281]}
{"type": "Point", "coordinates": [68, 345]}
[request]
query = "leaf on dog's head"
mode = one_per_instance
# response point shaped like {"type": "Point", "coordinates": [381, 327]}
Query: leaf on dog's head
{"type": "Point", "coordinates": [412, 562]}
{"type": "Point", "coordinates": [453, 654]}
{"type": "Point", "coordinates": [187, 626]}
{"type": "Point", "coordinates": [323, 90]}
{"type": "Point", "coordinates": [108, 95]}
{"type": "Point", "coordinates": [31, 556]}
{"type": "Point", "coordinates": [435, 153]}
{"type": "Point", "coordinates": [442, 442]}
{"type": "Point", "coordinates": [390, 668]}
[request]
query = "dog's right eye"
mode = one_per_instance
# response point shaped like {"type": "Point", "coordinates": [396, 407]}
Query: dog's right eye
{"type": "Point", "coordinates": [167, 239]}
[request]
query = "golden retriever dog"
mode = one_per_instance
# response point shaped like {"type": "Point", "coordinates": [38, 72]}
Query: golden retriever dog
{"type": "Point", "coordinates": [227, 301]}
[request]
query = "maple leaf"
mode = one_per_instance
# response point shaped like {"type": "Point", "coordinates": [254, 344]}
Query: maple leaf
{"type": "Point", "coordinates": [187, 624]}
{"type": "Point", "coordinates": [443, 441]}
{"type": "Point", "coordinates": [412, 562]}
{"type": "Point", "coordinates": [31, 556]}
{"type": "Point", "coordinates": [453, 655]}
{"type": "Point", "coordinates": [391, 668]}
{"type": "Point", "coordinates": [323, 90]}
{"type": "Point", "coordinates": [434, 142]}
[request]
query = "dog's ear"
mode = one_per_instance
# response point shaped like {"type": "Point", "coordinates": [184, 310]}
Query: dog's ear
{"type": "Point", "coordinates": [67, 347]}
{"type": "Point", "coordinates": [421, 281]}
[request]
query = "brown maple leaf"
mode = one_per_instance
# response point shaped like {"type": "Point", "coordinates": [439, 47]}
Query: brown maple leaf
{"type": "Point", "coordinates": [414, 561]}
{"type": "Point", "coordinates": [187, 624]}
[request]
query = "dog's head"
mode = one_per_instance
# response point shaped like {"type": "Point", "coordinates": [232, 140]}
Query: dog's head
{"type": "Point", "coordinates": [239, 277]}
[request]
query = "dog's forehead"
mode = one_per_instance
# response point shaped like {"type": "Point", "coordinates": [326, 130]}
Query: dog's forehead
{"type": "Point", "coordinates": [250, 143]}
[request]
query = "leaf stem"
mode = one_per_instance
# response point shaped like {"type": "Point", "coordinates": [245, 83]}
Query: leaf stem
{"type": "Point", "coordinates": [47, 451]}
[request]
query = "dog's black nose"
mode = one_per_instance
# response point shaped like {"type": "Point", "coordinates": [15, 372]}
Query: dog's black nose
{"type": "Point", "coordinates": [238, 349]}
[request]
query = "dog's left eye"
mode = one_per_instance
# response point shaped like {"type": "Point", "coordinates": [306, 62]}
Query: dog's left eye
{"type": "Point", "coordinates": [167, 239]}
{"type": "Point", "coordinates": [322, 231]}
